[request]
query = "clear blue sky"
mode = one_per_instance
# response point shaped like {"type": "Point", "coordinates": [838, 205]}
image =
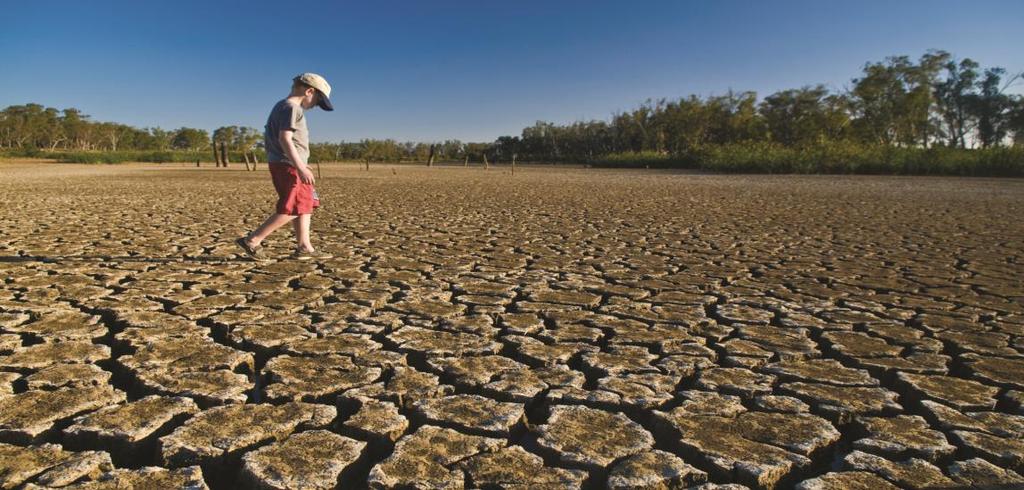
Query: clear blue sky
{"type": "Point", "coordinates": [473, 70]}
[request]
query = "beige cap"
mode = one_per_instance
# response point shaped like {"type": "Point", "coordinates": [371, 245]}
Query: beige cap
{"type": "Point", "coordinates": [320, 84]}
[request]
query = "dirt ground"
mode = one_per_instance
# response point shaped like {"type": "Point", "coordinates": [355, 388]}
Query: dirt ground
{"type": "Point", "coordinates": [556, 328]}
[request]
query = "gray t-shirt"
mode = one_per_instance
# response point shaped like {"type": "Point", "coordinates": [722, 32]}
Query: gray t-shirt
{"type": "Point", "coordinates": [286, 115]}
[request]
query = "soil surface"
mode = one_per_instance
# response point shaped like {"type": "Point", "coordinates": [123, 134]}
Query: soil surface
{"type": "Point", "coordinates": [555, 328]}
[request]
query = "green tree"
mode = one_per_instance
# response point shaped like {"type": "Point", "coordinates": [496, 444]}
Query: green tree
{"type": "Point", "coordinates": [78, 129]}
{"type": "Point", "coordinates": [921, 125]}
{"type": "Point", "coordinates": [476, 151]}
{"type": "Point", "coordinates": [450, 150]}
{"type": "Point", "coordinates": [992, 108]}
{"type": "Point", "coordinates": [112, 134]}
{"type": "Point", "coordinates": [683, 125]}
{"type": "Point", "coordinates": [506, 146]}
{"type": "Point", "coordinates": [800, 117]}
{"type": "Point", "coordinates": [155, 139]}
{"type": "Point", "coordinates": [892, 102]}
{"type": "Point", "coordinates": [538, 141]}
{"type": "Point", "coordinates": [22, 124]}
{"type": "Point", "coordinates": [380, 150]}
{"type": "Point", "coordinates": [1017, 120]}
{"type": "Point", "coordinates": [225, 135]}
{"type": "Point", "coordinates": [191, 139]}
{"type": "Point", "coordinates": [246, 138]}
{"type": "Point", "coordinates": [734, 118]}
{"type": "Point", "coordinates": [50, 132]}
{"type": "Point", "coordinates": [953, 100]}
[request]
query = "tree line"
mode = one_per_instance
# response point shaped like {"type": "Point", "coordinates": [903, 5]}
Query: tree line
{"type": "Point", "coordinates": [38, 128]}
{"type": "Point", "coordinates": [389, 150]}
{"type": "Point", "coordinates": [47, 128]}
{"type": "Point", "coordinates": [895, 106]}
{"type": "Point", "coordinates": [936, 101]}
{"type": "Point", "coordinates": [70, 132]}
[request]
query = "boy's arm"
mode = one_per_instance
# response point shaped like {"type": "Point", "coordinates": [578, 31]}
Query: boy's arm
{"type": "Point", "coordinates": [305, 174]}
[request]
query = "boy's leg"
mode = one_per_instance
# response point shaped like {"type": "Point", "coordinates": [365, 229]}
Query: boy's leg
{"type": "Point", "coordinates": [301, 226]}
{"type": "Point", "coordinates": [272, 223]}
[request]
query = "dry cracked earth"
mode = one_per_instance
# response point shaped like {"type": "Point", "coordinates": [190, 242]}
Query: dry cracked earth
{"type": "Point", "coordinates": [559, 328]}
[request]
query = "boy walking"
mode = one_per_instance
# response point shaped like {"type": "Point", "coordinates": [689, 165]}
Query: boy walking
{"type": "Point", "coordinates": [286, 139]}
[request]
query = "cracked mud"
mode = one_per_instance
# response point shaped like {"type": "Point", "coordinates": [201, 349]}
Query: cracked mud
{"type": "Point", "coordinates": [560, 328]}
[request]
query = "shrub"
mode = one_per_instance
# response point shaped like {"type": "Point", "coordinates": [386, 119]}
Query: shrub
{"type": "Point", "coordinates": [122, 156]}
{"type": "Point", "coordinates": [832, 158]}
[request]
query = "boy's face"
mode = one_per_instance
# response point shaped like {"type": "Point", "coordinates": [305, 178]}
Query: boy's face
{"type": "Point", "coordinates": [309, 98]}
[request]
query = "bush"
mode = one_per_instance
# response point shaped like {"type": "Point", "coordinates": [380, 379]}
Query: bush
{"type": "Point", "coordinates": [149, 156]}
{"type": "Point", "coordinates": [152, 156]}
{"type": "Point", "coordinates": [22, 153]}
{"type": "Point", "coordinates": [832, 158]}
{"type": "Point", "coordinates": [644, 159]}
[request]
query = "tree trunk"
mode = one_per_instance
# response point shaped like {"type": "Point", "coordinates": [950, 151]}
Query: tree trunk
{"type": "Point", "coordinates": [224, 154]}
{"type": "Point", "coordinates": [216, 156]}
{"type": "Point", "coordinates": [245, 155]}
{"type": "Point", "coordinates": [465, 163]}
{"type": "Point", "coordinates": [430, 158]}
{"type": "Point", "coordinates": [514, 163]}
{"type": "Point", "coordinates": [486, 165]}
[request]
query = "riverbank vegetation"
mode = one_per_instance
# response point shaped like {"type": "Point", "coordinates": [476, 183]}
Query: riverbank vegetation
{"type": "Point", "coordinates": [934, 115]}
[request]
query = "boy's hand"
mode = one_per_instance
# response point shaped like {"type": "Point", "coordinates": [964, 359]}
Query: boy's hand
{"type": "Point", "coordinates": [306, 175]}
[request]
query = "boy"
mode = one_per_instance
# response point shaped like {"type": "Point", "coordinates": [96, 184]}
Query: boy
{"type": "Point", "coordinates": [286, 139]}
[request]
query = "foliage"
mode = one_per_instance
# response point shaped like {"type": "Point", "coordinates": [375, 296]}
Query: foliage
{"type": "Point", "coordinates": [896, 115]}
{"type": "Point", "coordinates": [899, 103]}
{"type": "Point", "coordinates": [238, 138]}
{"type": "Point", "coordinates": [122, 156]}
{"type": "Point", "coordinates": [190, 139]}
{"type": "Point", "coordinates": [389, 150]}
{"type": "Point", "coordinates": [833, 158]}
{"type": "Point", "coordinates": [35, 126]}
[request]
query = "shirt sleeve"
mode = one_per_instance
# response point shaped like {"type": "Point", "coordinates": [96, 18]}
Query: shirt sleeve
{"type": "Point", "coordinates": [288, 118]}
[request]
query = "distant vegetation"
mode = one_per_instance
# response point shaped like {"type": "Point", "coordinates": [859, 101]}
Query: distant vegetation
{"type": "Point", "coordinates": [936, 115]}
{"type": "Point", "coordinates": [832, 158]}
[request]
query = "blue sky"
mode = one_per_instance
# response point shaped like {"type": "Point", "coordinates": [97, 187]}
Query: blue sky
{"type": "Point", "coordinates": [474, 70]}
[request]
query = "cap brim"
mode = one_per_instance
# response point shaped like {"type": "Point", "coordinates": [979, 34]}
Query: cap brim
{"type": "Point", "coordinates": [324, 102]}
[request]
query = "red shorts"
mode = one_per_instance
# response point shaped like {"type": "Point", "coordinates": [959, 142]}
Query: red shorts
{"type": "Point", "coordinates": [293, 197]}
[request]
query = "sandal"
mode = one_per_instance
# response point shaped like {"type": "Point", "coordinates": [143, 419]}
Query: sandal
{"type": "Point", "coordinates": [309, 255]}
{"type": "Point", "coordinates": [251, 251]}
